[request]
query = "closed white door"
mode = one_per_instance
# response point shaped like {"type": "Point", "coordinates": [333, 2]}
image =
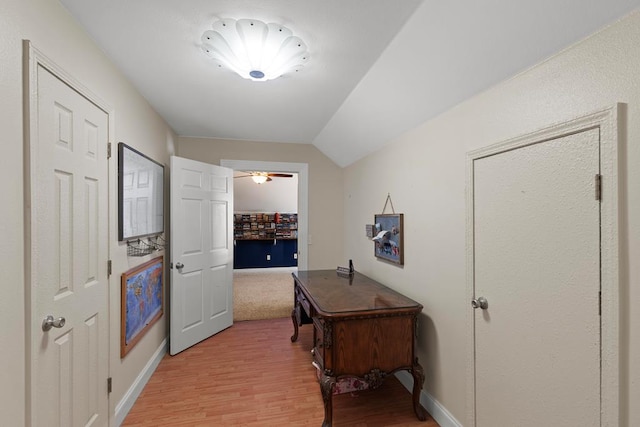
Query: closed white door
{"type": "Point", "coordinates": [201, 302]}
{"type": "Point", "coordinates": [537, 263]}
{"type": "Point", "coordinates": [68, 258]}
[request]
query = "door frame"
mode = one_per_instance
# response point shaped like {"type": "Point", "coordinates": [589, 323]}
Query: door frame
{"type": "Point", "coordinates": [302, 169]}
{"type": "Point", "coordinates": [608, 121]}
{"type": "Point", "coordinates": [32, 59]}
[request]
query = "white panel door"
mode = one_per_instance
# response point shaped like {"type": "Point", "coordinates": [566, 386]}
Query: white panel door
{"type": "Point", "coordinates": [201, 250]}
{"type": "Point", "coordinates": [537, 263]}
{"type": "Point", "coordinates": [68, 258]}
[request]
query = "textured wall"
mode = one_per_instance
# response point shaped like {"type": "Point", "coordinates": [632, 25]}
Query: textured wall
{"type": "Point", "coordinates": [424, 171]}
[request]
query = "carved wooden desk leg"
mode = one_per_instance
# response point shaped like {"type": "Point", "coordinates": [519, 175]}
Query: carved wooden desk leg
{"type": "Point", "coordinates": [418, 381]}
{"type": "Point", "coordinates": [294, 337]}
{"type": "Point", "coordinates": [327, 385]}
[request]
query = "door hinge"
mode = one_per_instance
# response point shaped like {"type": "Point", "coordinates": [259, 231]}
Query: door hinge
{"type": "Point", "coordinates": [109, 384]}
{"type": "Point", "coordinates": [108, 150]}
{"type": "Point", "coordinates": [598, 186]}
{"type": "Point", "coordinates": [109, 268]}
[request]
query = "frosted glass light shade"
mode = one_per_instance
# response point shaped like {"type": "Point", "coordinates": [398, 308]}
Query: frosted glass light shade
{"type": "Point", "coordinates": [259, 178]}
{"type": "Point", "coordinates": [253, 49]}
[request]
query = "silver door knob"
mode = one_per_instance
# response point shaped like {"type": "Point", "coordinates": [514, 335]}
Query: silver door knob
{"type": "Point", "coordinates": [51, 322]}
{"type": "Point", "coordinates": [179, 265]}
{"type": "Point", "coordinates": [480, 303]}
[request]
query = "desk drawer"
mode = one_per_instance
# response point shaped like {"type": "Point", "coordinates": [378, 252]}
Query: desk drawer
{"type": "Point", "coordinates": [302, 300]}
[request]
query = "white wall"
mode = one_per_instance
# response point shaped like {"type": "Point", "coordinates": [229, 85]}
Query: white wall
{"type": "Point", "coordinates": [277, 195]}
{"type": "Point", "coordinates": [424, 171]}
{"type": "Point", "coordinates": [52, 30]}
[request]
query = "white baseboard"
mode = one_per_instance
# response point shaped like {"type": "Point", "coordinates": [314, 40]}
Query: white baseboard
{"type": "Point", "coordinates": [124, 406]}
{"type": "Point", "coordinates": [435, 409]}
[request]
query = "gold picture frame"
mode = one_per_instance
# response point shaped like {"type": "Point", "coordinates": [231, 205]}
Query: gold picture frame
{"type": "Point", "coordinates": [142, 301]}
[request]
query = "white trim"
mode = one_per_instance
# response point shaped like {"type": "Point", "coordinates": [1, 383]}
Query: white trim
{"type": "Point", "coordinates": [438, 412]}
{"type": "Point", "coordinates": [302, 169]}
{"type": "Point", "coordinates": [129, 399]}
{"type": "Point", "coordinates": [607, 121]}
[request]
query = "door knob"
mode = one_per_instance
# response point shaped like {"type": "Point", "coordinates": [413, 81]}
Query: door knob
{"type": "Point", "coordinates": [50, 322]}
{"type": "Point", "coordinates": [480, 303]}
{"type": "Point", "coordinates": [179, 265]}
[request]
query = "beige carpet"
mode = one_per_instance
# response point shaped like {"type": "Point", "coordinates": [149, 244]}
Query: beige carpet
{"type": "Point", "coordinates": [262, 294]}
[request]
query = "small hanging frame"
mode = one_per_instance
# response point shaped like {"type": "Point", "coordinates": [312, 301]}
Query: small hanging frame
{"type": "Point", "coordinates": [389, 237]}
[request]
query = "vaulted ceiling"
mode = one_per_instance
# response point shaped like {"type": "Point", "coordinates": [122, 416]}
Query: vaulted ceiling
{"type": "Point", "coordinates": [377, 67]}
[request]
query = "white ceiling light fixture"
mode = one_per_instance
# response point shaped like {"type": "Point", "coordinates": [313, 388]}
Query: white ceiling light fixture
{"type": "Point", "coordinates": [259, 178]}
{"type": "Point", "coordinates": [253, 49]}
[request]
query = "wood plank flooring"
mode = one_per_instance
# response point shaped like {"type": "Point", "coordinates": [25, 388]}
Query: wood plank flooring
{"type": "Point", "coordinates": [252, 375]}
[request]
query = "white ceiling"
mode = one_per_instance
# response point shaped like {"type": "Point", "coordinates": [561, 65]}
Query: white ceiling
{"type": "Point", "coordinates": [377, 67]}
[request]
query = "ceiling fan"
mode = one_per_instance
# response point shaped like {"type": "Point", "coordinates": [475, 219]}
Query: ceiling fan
{"type": "Point", "coordinates": [262, 177]}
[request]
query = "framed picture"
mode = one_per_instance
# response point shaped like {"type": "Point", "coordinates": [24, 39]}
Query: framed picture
{"type": "Point", "coordinates": [142, 302]}
{"type": "Point", "coordinates": [389, 241]}
{"type": "Point", "coordinates": [140, 194]}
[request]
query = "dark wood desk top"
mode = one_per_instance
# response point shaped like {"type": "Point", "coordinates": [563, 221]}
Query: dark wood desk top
{"type": "Point", "coordinates": [334, 295]}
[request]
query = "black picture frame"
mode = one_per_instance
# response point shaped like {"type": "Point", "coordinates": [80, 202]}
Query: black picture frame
{"type": "Point", "coordinates": [140, 194]}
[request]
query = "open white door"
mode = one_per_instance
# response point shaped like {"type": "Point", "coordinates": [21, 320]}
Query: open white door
{"type": "Point", "coordinates": [201, 297]}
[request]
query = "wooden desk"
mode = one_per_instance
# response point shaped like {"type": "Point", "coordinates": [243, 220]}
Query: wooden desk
{"type": "Point", "coordinates": [362, 329]}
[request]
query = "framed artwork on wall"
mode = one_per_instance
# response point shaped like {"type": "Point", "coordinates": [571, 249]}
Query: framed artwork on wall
{"type": "Point", "coordinates": [140, 194]}
{"type": "Point", "coordinates": [389, 240]}
{"type": "Point", "coordinates": [142, 301]}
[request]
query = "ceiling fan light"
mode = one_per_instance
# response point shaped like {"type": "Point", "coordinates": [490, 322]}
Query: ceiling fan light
{"type": "Point", "coordinates": [253, 49]}
{"type": "Point", "coordinates": [259, 179]}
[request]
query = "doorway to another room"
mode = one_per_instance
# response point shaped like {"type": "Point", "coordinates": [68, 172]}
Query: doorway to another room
{"type": "Point", "coordinates": [269, 221]}
{"type": "Point", "coordinates": [265, 233]}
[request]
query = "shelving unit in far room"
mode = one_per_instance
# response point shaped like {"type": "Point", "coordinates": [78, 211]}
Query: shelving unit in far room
{"type": "Point", "coordinates": [265, 239]}
{"type": "Point", "coordinates": [265, 226]}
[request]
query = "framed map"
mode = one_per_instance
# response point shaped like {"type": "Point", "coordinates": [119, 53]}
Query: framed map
{"type": "Point", "coordinates": [142, 301]}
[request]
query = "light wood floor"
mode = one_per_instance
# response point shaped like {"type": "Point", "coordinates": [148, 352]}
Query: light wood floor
{"type": "Point", "coordinates": [252, 375]}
